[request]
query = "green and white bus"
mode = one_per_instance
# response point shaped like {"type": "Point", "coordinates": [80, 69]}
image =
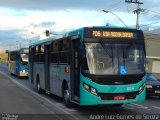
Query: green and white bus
{"type": "Point", "coordinates": [18, 62]}
{"type": "Point", "coordinates": [91, 66]}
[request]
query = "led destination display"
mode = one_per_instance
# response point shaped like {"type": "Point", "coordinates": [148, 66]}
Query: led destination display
{"type": "Point", "coordinates": [103, 33]}
{"type": "Point", "coordinates": [113, 34]}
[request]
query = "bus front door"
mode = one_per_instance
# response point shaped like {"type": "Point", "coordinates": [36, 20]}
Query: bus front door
{"type": "Point", "coordinates": [75, 70]}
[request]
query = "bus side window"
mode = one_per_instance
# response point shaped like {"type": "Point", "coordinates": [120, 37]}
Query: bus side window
{"type": "Point", "coordinates": [65, 45]}
{"type": "Point", "coordinates": [64, 51]}
{"type": "Point", "coordinates": [36, 54]}
{"type": "Point", "coordinates": [41, 53]}
{"type": "Point", "coordinates": [54, 52]}
{"type": "Point", "coordinates": [33, 53]}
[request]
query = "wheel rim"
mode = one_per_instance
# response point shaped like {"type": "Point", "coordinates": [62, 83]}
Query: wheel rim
{"type": "Point", "coordinates": [38, 86]}
{"type": "Point", "coordinates": [66, 96]}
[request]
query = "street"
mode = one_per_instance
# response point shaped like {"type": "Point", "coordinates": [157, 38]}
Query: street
{"type": "Point", "coordinates": [19, 97]}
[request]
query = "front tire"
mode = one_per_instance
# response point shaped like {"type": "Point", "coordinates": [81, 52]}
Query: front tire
{"type": "Point", "coordinates": [66, 97]}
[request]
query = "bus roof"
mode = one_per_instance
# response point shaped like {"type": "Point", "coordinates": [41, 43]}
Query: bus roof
{"type": "Point", "coordinates": [75, 32]}
{"type": "Point", "coordinates": [20, 49]}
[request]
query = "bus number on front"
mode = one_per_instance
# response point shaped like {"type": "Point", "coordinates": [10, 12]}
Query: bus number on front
{"type": "Point", "coordinates": [96, 33]}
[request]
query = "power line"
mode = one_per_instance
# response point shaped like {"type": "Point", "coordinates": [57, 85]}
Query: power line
{"type": "Point", "coordinates": [152, 17]}
{"type": "Point", "coordinates": [118, 5]}
{"type": "Point", "coordinates": [115, 5]}
{"type": "Point", "coordinates": [155, 14]}
{"type": "Point", "coordinates": [130, 6]}
{"type": "Point", "coordinates": [153, 11]}
{"type": "Point", "coordinates": [150, 24]}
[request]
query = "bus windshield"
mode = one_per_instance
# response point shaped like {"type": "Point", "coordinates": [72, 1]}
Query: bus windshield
{"type": "Point", "coordinates": [24, 58]}
{"type": "Point", "coordinates": [111, 59]}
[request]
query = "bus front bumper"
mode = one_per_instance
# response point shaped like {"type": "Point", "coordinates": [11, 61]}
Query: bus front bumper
{"type": "Point", "coordinates": [23, 73]}
{"type": "Point", "coordinates": [92, 93]}
{"type": "Point", "coordinates": [103, 99]}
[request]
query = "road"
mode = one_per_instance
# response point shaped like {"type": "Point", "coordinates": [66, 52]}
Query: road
{"type": "Point", "coordinates": [19, 97]}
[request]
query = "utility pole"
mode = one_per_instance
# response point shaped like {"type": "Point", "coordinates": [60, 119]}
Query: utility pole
{"type": "Point", "coordinates": [137, 11]}
{"type": "Point", "coordinates": [17, 45]}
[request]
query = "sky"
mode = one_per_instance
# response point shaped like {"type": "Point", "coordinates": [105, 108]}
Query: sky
{"type": "Point", "coordinates": [24, 21]}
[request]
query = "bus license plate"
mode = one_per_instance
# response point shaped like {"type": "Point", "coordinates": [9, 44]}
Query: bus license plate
{"type": "Point", "coordinates": [119, 97]}
{"type": "Point", "coordinates": [157, 91]}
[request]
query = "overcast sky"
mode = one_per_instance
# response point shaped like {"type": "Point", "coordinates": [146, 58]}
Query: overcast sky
{"type": "Point", "coordinates": [21, 18]}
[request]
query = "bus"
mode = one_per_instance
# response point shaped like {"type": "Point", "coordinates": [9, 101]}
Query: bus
{"type": "Point", "coordinates": [18, 62]}
{"type": "Point", "coordinates": [96, 65]}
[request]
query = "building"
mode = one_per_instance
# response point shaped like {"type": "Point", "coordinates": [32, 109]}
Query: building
{"type": "Point", "coordinates": [152, 52]}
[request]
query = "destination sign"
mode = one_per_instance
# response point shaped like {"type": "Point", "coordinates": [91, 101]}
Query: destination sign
{"type": "Point", "coordinates": [113, 34]}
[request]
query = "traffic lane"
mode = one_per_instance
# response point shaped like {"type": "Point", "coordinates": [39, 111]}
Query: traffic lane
{"type": "Point", "coordinates": [15, 100]}
{"type": "Point", "coordinates": [3, 67]}
{"type": "Point", "coordinates": [50, 108]}
{"type": "Point", "coordinates": [153, 103]}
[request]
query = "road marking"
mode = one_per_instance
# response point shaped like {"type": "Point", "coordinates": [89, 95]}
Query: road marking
{"type": "Point", "coordinates": [139, 106]}
{"type": "Point", "coordinates": [156, 107]}
{"type": "Point", "coordinates": [24, 87]}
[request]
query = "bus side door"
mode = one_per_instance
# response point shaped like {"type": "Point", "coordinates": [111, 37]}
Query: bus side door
{"type": "Point", "coordinates": [75, 69]}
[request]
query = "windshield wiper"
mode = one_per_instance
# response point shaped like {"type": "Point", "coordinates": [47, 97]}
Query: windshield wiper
{"type": "Point", "coordinates": [106, 49]}
{"type": "Point", "coordinates": [110, 53]}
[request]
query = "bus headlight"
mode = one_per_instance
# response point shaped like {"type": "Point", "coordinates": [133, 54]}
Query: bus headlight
{"type": "Point", "coordinates": [94, 91]}
{"type": "Point", "coordinates": [148, 86]}
{"type": "Point", "coordinates": [141, 88]}
{"type": "Point", "coordinates": [90, 89]}
{"type": "Point", "coordinates": [86, 87]}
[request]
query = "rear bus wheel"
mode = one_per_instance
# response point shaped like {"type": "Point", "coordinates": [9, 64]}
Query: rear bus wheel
{"type": "Point", "coordinates": [39, 90]}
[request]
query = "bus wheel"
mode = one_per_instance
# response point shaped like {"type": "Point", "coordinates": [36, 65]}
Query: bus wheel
{"type": "Point", "coordinates": [66, 98]}
{"type": "Point", "coordinates": [39, 90]}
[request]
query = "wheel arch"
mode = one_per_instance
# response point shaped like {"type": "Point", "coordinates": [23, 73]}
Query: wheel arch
{"type": "Point", "coordinates": [64, 85]}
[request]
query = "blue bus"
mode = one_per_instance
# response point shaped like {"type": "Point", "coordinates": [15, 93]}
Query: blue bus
{"type": "Point", "coordinates": [91, 66]}
{"type": "Point", "coordinates": [18, 62]}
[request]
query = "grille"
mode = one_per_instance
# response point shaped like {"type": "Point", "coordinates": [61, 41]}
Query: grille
{"type": "Point", "coordinates": [110, 96]}
{"type": "Point", "coordinates": [117, 80]}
